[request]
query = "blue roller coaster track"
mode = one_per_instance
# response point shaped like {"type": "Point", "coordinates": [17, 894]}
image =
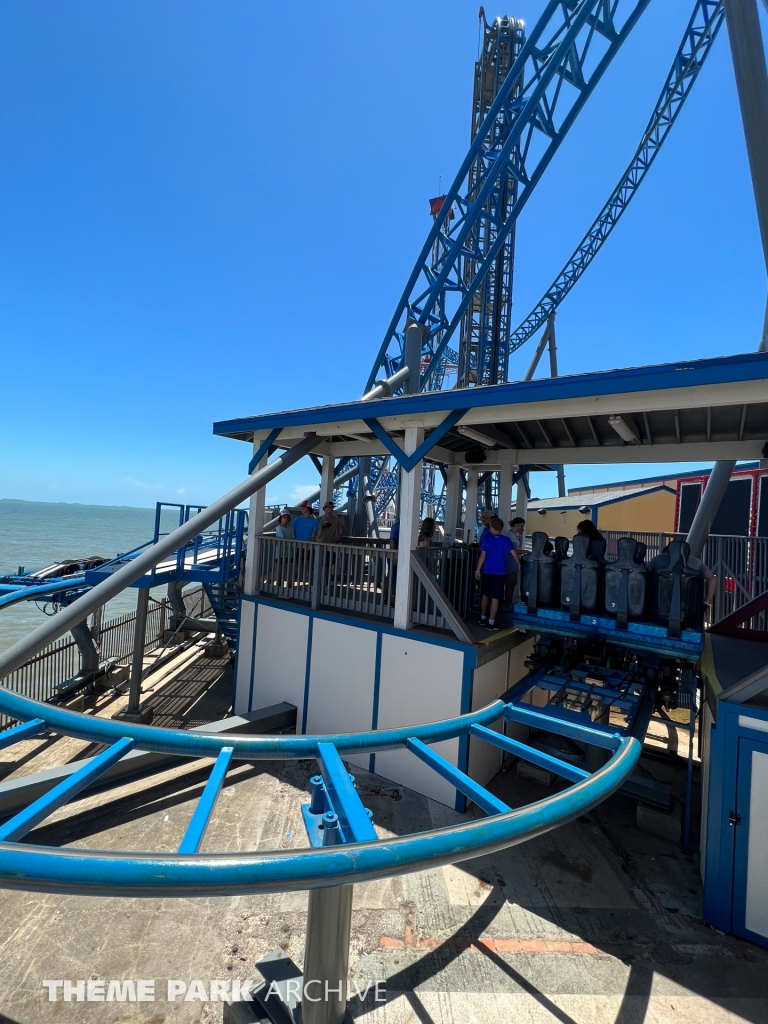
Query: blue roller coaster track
{"type": "Point", "coordinates": [537, 102]}
{"type": "Point", "coordinates": [548, 78]}
{"type": "Point", "coordinates": [347, 848]}
{"type": "Point", "coordinates": [697, 43]}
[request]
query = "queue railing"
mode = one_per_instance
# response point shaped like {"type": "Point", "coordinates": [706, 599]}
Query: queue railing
{"type": "Point", "coordinates": [345, 577]}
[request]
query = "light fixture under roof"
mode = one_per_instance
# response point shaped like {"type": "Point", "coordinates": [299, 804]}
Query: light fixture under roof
{"type": "Point", "coordinates": [475, 435]}
{"type": "Point", "coordinates": [624, 429]}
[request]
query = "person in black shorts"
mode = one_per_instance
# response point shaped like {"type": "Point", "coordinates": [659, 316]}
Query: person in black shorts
{"type": "Point", "coordinates": [492, 570]}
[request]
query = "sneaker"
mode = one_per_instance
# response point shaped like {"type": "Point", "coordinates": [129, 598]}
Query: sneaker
{"type": "Point", "coordinates": [483, 620]}
{"type": "Point", "coordinates": [493, 627]}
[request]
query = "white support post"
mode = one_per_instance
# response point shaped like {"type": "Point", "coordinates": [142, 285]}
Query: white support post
{"type": "Point", "coordinates": [505, 493]}
{"type": "Point", "coordinates": [470, 517]}
{"type": "Point", "coordinates": [521, 502]}
{"type": "Point", "coordinates": [255, 527]}
{"type": "Point", "coordinates": [452, 499]}
{"type": "Point", "coordinates": [410, 501]}
{"type": "Point", "coordinates": [326, 480]}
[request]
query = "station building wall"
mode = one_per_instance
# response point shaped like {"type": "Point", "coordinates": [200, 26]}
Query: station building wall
{"type": "Point", "coordinates": [650, 512]}
{"type": "Point", "coordinates": [348, 675]}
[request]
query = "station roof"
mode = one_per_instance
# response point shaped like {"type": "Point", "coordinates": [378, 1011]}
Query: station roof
{"type": "Point", "coordinates": [687, 411]}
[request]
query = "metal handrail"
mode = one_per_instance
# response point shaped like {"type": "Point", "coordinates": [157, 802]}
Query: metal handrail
{"type": "Point", "coordinates": [343, 577]}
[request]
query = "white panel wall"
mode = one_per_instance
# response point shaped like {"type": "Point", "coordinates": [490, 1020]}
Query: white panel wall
{"type": "Point", "coordinates": [516, 668]}
{"type": "Point", "coordinates": [341, 681]}
{"type": "Point", "coordinates": [419, 683]}
{"type": "Point", "coordinates": [241, 702]}
{"type": "Point", "coordinates": [280, 661]}
{"type": "Point", "coordinates": [515, 672]}
{"type": "Point", "coordinates": [488, 683]}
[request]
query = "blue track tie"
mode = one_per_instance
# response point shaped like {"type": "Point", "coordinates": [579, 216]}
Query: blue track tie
{"type": "Point", "coordinates": [541, 718]}
{"type": "Point", "coordinates": [530, 754]}
{"type": "Point", "coordinates": [471, 789]}
{"type": "Point", "coordinates": [355, 823]}
{"type": "Point", "coordinates": [199, 821]}
{"type": "Point", "coordinates": [18, 826]}
{"type": "Point", "coordinates": [22, 732]}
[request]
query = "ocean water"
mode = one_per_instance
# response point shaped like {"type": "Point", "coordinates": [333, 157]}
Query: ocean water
{"type": "Point", "coordinates": [36, 533]}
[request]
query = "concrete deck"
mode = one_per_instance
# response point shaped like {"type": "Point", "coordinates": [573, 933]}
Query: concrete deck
{"type": "Point", "coordinates": [596, 923]}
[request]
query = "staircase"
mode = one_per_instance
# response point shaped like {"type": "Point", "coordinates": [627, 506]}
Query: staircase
{"type": "Point", "coordinates": [224, 598]}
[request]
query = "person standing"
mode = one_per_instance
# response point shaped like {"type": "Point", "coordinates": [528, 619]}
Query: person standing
{"type": "Point", "coordinates": [284, 557]}
{"type": "Point", "coordinates": [330, 527]}
{"type": "Point", "coordinates": [426, 533]}
{"type": "Point", "coordinates": [485, 518]}
{"type": "Point", "coordinates": [517, 529]}
{"type": "Point", "coordinates": [492, 570]}
{"type": "Point", "coordinates": [284, 530]}
{"type": "Point", "coordinates": [305, 525]}
{"type": "Point", "coordinates": [517, 536]}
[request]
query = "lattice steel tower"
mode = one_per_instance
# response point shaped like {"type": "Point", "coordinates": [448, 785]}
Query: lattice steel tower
{"type": "Point", "coordinates": [487, 324]}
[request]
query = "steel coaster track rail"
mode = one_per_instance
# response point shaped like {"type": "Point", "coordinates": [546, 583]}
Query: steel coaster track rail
{"type": "Point", "coordinates": [696, 45]}
{"type": "Point", "coordinates": [361, 857]}
{"type": "Point", "coordinates": [542, 95]}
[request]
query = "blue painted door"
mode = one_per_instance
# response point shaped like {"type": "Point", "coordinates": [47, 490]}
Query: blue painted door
{"type": "Point", "coordinates": [750, 881]}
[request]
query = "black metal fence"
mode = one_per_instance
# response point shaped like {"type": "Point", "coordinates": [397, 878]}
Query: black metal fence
{"type": "Point", "coordinates": [42, 676]}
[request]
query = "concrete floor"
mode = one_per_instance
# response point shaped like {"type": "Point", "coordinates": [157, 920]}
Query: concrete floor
{"type": "Point", "coordinates": [596, 923]}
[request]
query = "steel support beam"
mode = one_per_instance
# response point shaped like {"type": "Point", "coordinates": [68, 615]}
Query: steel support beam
{"type": "Point", "coordinates": [89, 656]}
{"type": "Point", "coordinates": [326, 955]}
{"type": "Point", "coordinates": [137, 661]}
{"type": "Point", "coordinates": [748, 56]}
{"type": "Point", "coordinates": [470, 515]}
{"type": "Point", "coordinates": [410, 505]}
{"type": "Point", "coordinates": [710, 503]}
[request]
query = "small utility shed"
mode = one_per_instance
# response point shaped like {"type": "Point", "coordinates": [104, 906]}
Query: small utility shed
{"type": "Point", "coordinates": [734, 840]}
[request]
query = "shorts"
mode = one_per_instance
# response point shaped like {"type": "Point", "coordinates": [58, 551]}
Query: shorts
{"type": "Point", "coordinates": [492, 585]}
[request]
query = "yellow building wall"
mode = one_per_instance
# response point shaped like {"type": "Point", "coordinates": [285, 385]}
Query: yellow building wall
{"type": "Point", "coordinates": [555, 523]}
{"type": "Point", "coordinates": [652, 512]}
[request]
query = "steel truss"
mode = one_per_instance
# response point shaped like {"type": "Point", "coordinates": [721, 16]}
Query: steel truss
{"type": "Point", "coordinates": [694, 49]}
{"type": "Point", "coordinates": [556, 71]}
{"type": "Point", "coordinates": [486, 326]}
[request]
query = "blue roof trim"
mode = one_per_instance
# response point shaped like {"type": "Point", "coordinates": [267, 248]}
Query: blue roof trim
{"type": "Point", "coordinates": [703, 471]}
{"type": "Point", "coordinates": [605, 501]}
{"type": "Point", "coordinates": [691, 373]}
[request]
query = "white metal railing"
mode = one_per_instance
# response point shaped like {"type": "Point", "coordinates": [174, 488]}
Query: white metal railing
{"type": "Point", "coordinates": [346, 577]}
{"type": "Point", "coordinates": [741, 567]}
{"type": "Point", "coordinates": [739, 563]}
{"type": "Point", "coordinates": [655, 542]}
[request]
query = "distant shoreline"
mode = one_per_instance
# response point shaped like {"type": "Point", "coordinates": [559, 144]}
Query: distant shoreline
{"type": "Point", "coordinates": [79, 504]}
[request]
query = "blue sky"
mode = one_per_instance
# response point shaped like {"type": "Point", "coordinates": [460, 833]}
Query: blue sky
{"type": "Point", "coordinates": [210, 210]}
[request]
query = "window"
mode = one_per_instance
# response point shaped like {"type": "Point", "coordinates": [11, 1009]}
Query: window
{"type": "Point", "coordinates": [732, 517]}
{"type": "Point", "coordinates": [690, 496]}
